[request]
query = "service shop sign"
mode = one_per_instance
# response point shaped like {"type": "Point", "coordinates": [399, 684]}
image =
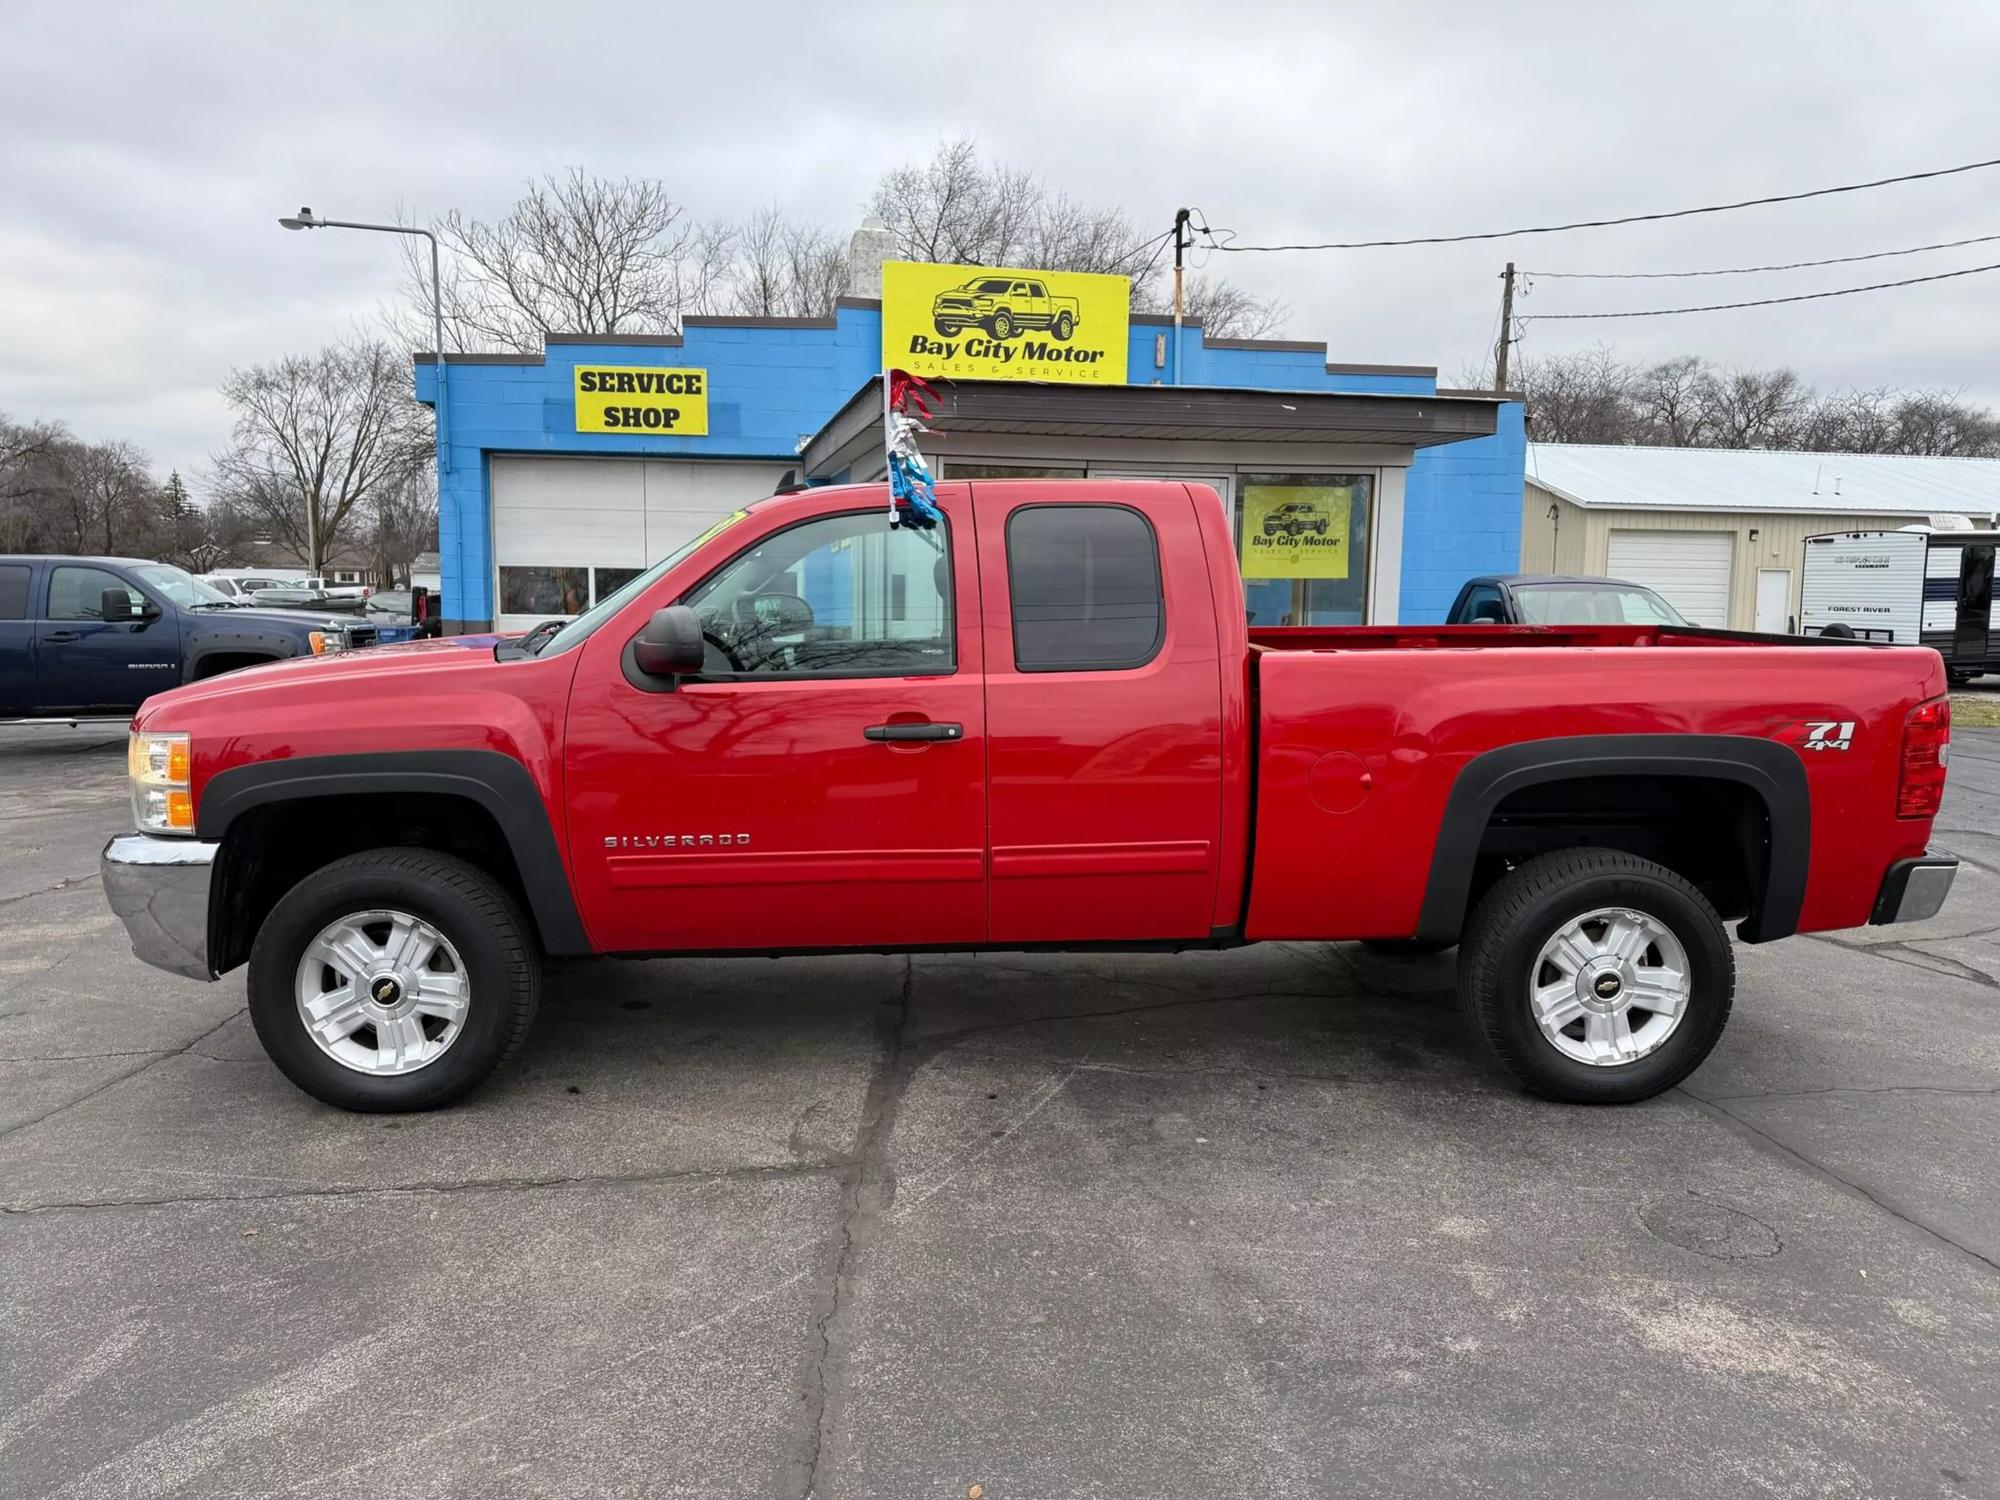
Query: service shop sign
{"type": "Point", "coordinates": [642, 399]}
{"type": "Point", "coordinates": [1296, 531]}
{"type": "Point", "coordinates": [993, 323]}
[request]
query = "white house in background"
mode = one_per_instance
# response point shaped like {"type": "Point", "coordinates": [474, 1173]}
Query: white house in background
{"type": "Point", "coordinates": [1721, 532]}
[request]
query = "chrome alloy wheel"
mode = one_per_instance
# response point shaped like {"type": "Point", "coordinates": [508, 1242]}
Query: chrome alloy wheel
{"type": "Point", "coordinates": [1610, 987]}
{"type": "Point", "coordinates": [382, 992]}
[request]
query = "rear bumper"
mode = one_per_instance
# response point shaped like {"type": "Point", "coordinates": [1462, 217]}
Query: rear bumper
{"type": "Point", "coordinates": [1914, 889]}
{"type": "Point", "coordinates": [158, 887]}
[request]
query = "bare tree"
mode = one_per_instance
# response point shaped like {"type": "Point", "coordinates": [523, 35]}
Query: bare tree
{"type": "Point", "coordinates": [786, 270]}
{"type": "Point", "coordinates": [1581, 397]}
{"type": "Point", "coordinates": [578, 253]}
{"type": "Point", "coordinates": [317, 438]}
{"type": "Point", "coordinates": [403, 521]}
{"type": "Point", "coordinates": [956, 208]}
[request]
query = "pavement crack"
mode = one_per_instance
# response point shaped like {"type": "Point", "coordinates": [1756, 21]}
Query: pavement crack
{"type": "Point", "coordinates": [471, 1185]}
{"type": "Point", "coordinates": [153, 1060]}
{"type": "Point", "coordinates": [1887, 1088]}
{"type": "Point", "coordinates": [67, 883]}
{"type": "Point", "coordinates": [1793, 1154]}
{"type": "Point", "coordinates": [868, 1188]}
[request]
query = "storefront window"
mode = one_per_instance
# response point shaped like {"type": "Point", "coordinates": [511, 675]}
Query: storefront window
{"type": "Point", "coordinates": [544, 591]}
{"type": "Point", "coordinates": [1302, 545]}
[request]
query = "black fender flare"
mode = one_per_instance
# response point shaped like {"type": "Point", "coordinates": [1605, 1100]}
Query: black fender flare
{"type": "Point", "coordinates": [496, 782]}
{"type": "Point", "coordinates": [1773, 772]}
{"type": "Point", "coordinates": [273, 648]}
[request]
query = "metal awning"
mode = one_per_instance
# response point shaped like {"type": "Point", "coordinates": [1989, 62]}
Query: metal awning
{"type": "Point", "coordinates": [1170, 413]}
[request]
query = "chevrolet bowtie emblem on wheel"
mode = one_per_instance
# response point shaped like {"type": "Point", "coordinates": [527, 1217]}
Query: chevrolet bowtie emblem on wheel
{"type": "Point", "coordinates": [386, 991]}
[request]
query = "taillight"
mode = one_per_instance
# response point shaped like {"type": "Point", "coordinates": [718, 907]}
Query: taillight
{"type": "Point", "coordinates": [1926, 744]}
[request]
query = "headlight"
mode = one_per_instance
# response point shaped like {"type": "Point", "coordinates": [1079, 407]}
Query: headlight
{"type": "Point", "coordinates": [158, 766]}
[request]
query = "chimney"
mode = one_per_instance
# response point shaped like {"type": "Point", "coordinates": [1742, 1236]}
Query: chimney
{"type": "Point", "coordinates": [871, 245]}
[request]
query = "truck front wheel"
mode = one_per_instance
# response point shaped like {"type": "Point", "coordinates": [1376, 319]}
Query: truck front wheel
{"type": "Point", "coordinates": [1596, 977]}
{"type": "Point", "coordinates": [393, 980]}
{"type": "Point", "coordinates": [1001, 325]}
{"type": "Point", "coordinates": [1065, 326]}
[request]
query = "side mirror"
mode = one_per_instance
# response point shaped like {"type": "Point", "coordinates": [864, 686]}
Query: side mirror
{"type": "Point", "coordinates": [118, 606]}
{"type": "Point", "coordinates": [670, 645]}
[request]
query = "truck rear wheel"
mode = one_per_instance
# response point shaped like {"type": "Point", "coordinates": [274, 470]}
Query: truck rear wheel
{"type": "Point", "coordinates": [393, 980]}
{"type": "Point", "coordinates": [1065, 326]}
{"type": "Point", "coordinates": [1597, 977]}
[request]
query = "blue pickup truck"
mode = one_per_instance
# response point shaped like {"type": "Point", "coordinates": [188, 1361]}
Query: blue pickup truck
{"type": "Point", "coordinates": [99, 635]}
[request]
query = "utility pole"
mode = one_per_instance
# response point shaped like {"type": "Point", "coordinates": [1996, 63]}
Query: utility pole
{"type": "Point", "coordinates": [1506, 328]}
{"type": "Point", "coordinates": [1180, 245]}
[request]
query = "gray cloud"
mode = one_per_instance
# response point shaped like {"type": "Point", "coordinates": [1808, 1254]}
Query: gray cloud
{"type": "Point", "coordinates": [146, 150]}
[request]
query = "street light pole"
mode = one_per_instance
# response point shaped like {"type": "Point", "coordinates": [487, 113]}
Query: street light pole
{"type": "Point", "coordinates": [305, 219]}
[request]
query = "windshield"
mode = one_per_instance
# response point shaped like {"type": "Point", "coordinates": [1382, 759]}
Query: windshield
{"type": "Point", "coordinates": [577, 631]}
{"type": "Point", "coordinates": [990, 284]}
{"type": "Point", "coordinates": [1593, 604]}
{"type": "Point", "coordinates": [184, 589]}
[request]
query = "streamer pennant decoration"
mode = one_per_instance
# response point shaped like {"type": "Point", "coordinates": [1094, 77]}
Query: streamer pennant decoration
{"type": "Point", "coordinates": [906, 406]}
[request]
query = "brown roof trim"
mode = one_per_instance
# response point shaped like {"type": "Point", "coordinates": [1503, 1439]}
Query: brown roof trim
{"type": "Point", "coordinates": [1162, 320]}
{"type": "Point", "coordinates": [641, 340]}
{"type": "Point", "coordinates": [867, 304]}
{"type": "Point", "coordinates": [1425, 370]}
{"type": "Point", "coordinates": [1475, 391]}
{"type": "Point", "coordinates": [429, 358]}
{"type": "Point", "coordinates": [703, 321]}
{"type": "Point", "coordinates": [1031, 408]}
{"type": "Point", "coordinates": [1283, 346]}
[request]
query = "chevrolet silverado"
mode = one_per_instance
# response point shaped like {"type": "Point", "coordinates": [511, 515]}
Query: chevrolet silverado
{"type": "Point", "coordinates": [1041, 724]}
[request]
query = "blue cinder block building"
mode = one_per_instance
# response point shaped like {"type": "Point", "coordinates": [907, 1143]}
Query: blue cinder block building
{"type": "Point", "coordinates": [537, 518]}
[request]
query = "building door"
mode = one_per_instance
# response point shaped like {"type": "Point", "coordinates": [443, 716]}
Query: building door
{"type": "Point", "coordinates": [1104, 713]}
{"type": "Point", "coordinates": [822, 783]}
{"type": "Point", "coordinates": [1689, 569]}
{"type": "Point", "coordinates": [1975, 604]}
{"type": "Point", "coordinates": [1774, 601]}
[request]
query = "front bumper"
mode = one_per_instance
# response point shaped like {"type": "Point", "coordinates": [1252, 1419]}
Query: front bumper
{"type": "Point", "coordinates": [1914, 889]}
{"type": "Point", "coordinates": [159, 889]}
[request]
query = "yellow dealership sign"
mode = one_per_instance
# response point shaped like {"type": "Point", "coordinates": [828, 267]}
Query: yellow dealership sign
{"type": "Point", "coordinates": [642, 398]}
{"type": "Point", "coordinates": [995, 323]}
{"type": "Point", "coordinates": [1296, 531]}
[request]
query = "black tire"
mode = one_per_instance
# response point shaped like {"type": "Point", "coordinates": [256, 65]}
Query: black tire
{"type": "Point", "coordinates": [1407, 947]}
{"type": "Point", "coordinates": [1838, 632]}
{"type": "Point", "coordinates": [473, 911]}
{"type": "Point", "coordinates": [1959, 677]}
{"type": "Point", "coordinates": [945, 330]}
{"type": "Point", "coordinates": [1002, 326]}
{"type": "Point", "coordinates": [1526, 908]}
{"type": "Point", "coordinates": [1065, 326]}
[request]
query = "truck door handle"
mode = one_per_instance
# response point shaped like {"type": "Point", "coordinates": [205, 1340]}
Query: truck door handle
{"type": "Point", "coordinates": [63, 635]}
{"type": "Point", "coordinates": [896, 733]}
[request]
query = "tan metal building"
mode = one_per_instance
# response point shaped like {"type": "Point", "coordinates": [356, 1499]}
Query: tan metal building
{"type": "Point", "coordinates": [1721, 533]}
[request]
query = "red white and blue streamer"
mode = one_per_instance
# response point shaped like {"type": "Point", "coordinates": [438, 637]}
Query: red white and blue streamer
{"type": "Point", "coordinates": [906, 404]}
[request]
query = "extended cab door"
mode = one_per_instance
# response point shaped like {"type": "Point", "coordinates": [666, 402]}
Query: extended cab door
{"type": "Point", "coordinates": [822, 783]}
{"type": "Point", "coordinates": [1103, 713]}
{"type": "Point", "coordinates": [86, 664]}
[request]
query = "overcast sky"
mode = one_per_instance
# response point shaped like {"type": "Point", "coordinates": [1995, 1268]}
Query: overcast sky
{"type": "Point", "coordinates": [147, 150]}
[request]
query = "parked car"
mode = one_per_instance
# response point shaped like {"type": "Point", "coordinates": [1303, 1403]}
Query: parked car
{"type": "Point", "coordinates": [1558, 599]}
{"type": "Point", "coordinates": [1042, 724]}
{"type": "Point", "coordinates": [241, 588]}
{"type": "Point", "coordinates": [301, 596]}
{"type": "Point", "coordinates": [1004, 306]}
{"type": "Point", "coordinates": [101, 635]}
{"type": "Point", "coordinates": [336, 590]}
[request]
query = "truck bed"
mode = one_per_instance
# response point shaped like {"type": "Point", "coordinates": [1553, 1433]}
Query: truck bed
{"type": "Point", "coordinates": [1363, 734]}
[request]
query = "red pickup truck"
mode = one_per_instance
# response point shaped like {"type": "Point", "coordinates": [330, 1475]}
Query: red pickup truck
{"type": "Point", "coordinates": [1041, 724]}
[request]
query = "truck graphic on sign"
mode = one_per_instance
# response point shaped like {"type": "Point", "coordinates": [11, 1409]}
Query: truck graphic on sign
{"type": "Point", "coordinates": [1294, 518]}
{"type": "Point", "coordinates": [1004, 306]}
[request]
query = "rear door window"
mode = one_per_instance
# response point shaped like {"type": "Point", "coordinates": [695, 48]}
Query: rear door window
{"type": "Point", "coordinates": [1085, 581]}
{"type": "Point", "coordinates": [14, 590]}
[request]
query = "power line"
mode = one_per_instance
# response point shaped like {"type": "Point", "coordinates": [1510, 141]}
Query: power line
{"type": "Point", "coordinates": [1679, 213]}
{"type": "Point", "coordinates": [1796, 265]}
{"type": "Point", "coordinates": [1668, 312]}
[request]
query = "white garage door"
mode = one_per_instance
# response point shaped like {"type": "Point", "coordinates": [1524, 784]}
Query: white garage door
{"type": "Point", "coordinates": [567, 531]}
{"type": "Point", "coordinates": [1689, 569]}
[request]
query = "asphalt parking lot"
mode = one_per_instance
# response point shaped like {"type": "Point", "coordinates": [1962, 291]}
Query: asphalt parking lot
{"type": "Point", "coordinates": [1222, 1224]}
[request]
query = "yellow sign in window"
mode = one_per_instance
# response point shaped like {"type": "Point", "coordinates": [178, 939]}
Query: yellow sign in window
{"type": "Point", "coordinates": [993, 323]}
{"type": "Point", "coordinates": [643, 399]}
{"type": "Point", "coordinates": [1297, 531]}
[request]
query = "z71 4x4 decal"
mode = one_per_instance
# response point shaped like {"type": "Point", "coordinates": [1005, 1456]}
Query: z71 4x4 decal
{"type": "Point", "coordinates": [1818, 734]}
